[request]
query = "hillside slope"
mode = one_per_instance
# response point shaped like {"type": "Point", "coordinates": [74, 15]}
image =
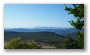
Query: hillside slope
{"type": "Point", "coordinates": [37, 36]}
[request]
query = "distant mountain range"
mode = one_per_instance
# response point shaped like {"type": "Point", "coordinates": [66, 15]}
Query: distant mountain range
{"type": "Point", "coordinates": [40, 29]}
{"type": "Point", "coordinates": [60, 31]}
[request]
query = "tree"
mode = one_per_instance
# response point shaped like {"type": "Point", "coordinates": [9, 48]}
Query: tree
{"type": "Point", "coordinates": [17, 43]}
{"type": "Point", "coordinates": [70, 43]}
{"type": "Point", "coordinates": [78, 12]}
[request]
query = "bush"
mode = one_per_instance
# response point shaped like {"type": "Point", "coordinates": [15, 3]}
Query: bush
{"type": "Point", "coordinates": [16, 43]}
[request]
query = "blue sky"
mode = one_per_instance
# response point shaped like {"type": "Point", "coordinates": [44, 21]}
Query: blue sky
{"type": "Point", "coordinates": [36, 15]}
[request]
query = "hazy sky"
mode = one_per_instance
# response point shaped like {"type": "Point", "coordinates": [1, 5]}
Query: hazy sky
{"type": "Point", "coordinates": [33, 15]}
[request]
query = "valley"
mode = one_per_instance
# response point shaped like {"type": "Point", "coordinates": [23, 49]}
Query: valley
{"type": "Point", "coordinates": [46, 38]}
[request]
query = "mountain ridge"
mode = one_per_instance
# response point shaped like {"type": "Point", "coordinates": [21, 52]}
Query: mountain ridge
{"type": "Point", "coordinates": [64, 32]}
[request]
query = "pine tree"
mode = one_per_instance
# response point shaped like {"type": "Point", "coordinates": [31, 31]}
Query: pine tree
{"type": "Point", "coordinates": [78, 12]}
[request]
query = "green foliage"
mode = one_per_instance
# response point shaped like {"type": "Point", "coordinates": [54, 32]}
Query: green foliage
{"type": "Point", "coordinates": [78, 11]}
{"type": "Point", "coordinates": [80, 40]}
{"type": "Point", "coordinates": [75, 44]}
{"type": "Point", "coordinates": [16, 43]}
{"type": "Point", "coordinates": [34, 46]}
{"type": "Point", "coordinates": [70, 43]}
{"type": "Point", "coordinates": [78, 24]}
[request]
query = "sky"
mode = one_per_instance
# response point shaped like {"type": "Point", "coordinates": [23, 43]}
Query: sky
{"type": "Point", "coordinates": [36, 15]}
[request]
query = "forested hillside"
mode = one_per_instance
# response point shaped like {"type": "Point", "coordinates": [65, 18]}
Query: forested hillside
{"type": "Point", "coordinates": [60, 31]}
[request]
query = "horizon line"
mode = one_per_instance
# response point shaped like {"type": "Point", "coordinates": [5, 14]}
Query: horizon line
{"type": "Point", "coordinates": [37, 27]}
